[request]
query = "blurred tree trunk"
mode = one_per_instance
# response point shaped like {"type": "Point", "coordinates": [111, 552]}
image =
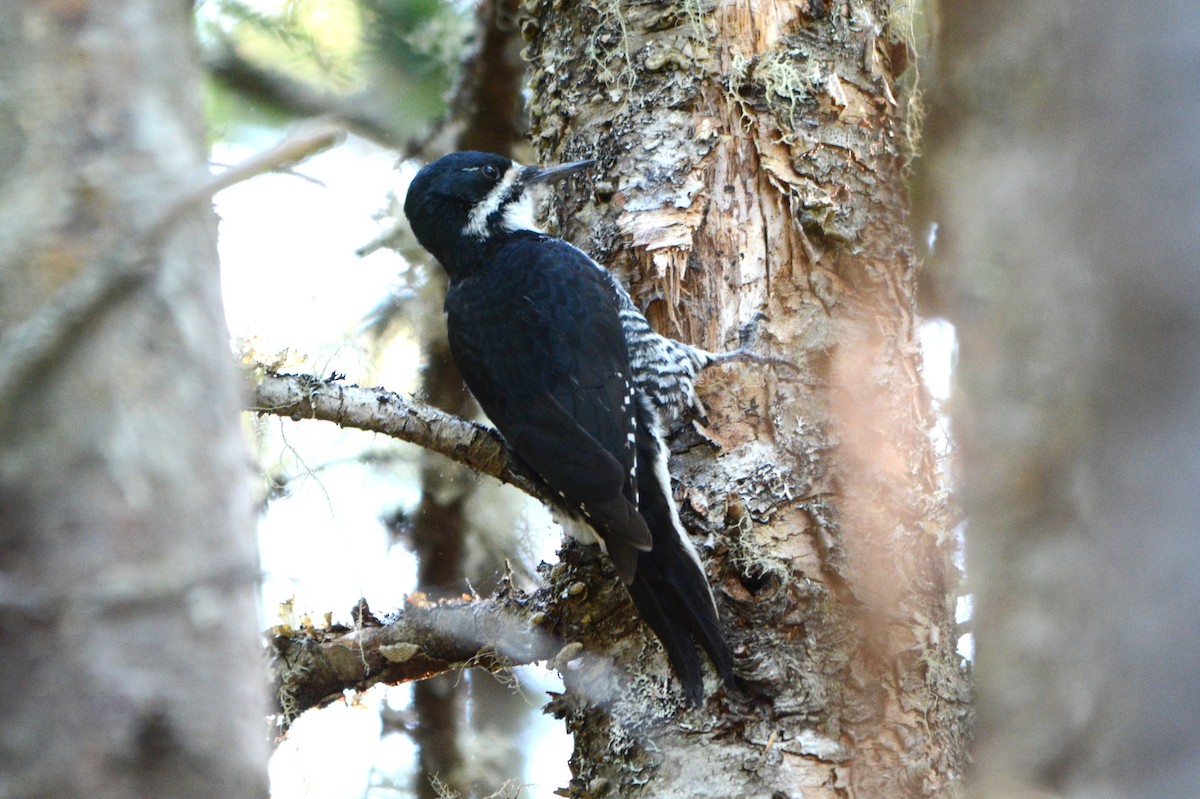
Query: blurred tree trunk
{"type": "Point", "coordinates": [1065, 170]}
{"type": "Point", "coordinates": [752, 158]}
{"type": "Point", "coordinates": [488, 104]}
{"type": "Point", "coordinates": [130, 662]}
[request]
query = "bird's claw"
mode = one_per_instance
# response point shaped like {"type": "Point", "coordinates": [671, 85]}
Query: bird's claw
{"type": "Point", "coordinates": [747, 338]}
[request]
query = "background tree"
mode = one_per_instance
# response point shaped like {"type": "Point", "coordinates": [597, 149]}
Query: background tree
{"type": "Point", "coordinates": [441, 527]}
{"type": "Point", "coordinates": [129, 660]}
{"type": "Point", "coordinates": [1063, 166]}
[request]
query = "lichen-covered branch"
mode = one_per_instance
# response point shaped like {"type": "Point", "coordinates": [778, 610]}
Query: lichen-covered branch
{"type": "Point", "coordinates": [312, 667]}
{"type": "Point", "coordinates": [377, 410]}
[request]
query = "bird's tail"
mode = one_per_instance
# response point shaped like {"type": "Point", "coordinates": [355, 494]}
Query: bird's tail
{"type": "Point", "coordinates": [669, 588]}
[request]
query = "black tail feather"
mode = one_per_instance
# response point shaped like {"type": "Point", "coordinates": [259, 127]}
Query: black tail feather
{"type": "Point", "coordinates": [669, 588]}
{"type": "Point", "coordinates": [681, 651]}
{"type": "Point", "coordinates": [672, 596]}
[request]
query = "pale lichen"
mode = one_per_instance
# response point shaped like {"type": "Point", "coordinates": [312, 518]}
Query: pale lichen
{"type": "Point", "coordinates": [608, 42]}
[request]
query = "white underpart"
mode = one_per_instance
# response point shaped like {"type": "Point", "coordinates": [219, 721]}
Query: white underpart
{"type": "Point", "coordinates": [477, 222]}
{"type": "Point", "coordinates": [631, 435]}
{"type": "Point", "coordinates": [581, 531]}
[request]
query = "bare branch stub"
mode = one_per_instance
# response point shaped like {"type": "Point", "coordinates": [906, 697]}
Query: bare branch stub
{"type": "Point", "coordinates": [313, 667]}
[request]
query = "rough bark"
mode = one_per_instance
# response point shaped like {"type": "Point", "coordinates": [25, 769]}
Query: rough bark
{"type": "Point", "coordinates": [751, 157]}
{"type": "Point", "coordinates": [1063, 160]}
{"type": "Point", "coordinates": [129, 660]}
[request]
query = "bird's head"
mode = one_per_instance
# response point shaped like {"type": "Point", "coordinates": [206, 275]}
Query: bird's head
{"type": "Point", "coordinates": [465, 198]}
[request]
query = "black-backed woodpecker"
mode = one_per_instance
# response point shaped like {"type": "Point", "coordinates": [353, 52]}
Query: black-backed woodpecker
{"type": "Point", "coordinates": [580, 386]}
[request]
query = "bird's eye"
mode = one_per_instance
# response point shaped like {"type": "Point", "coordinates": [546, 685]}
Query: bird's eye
{"type": "Point", "coordinates": [490, 172]}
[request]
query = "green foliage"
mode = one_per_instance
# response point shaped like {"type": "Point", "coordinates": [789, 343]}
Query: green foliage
{"type": "Point", "coordinates": [315, 39]}
{"type": "Point", "coordinates": [423, 38]}
{"type": "Point", "coordinates": [391, 62]}
{"type": "Point", "coordinates": [415, 48]}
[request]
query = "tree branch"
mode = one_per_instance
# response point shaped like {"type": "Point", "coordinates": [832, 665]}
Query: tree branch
{"type": "Point", "coordinates": [292, 150]}
{"type": "Point", "coordinates": [377, 410]}
{"type": "Point", "coordinates": [311, 668]}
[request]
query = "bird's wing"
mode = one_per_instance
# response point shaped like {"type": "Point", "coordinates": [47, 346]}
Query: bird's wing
{"type": "Point", "coordinates": [539, 342]}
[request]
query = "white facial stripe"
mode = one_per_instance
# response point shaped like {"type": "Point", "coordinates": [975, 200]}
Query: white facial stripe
{"type": "Point", "coordinates": [477, 221]}
{"type": "Point", "coordinates": [519, 215]}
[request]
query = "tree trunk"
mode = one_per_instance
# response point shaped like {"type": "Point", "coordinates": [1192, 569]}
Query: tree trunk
{"type": "Point", "coordinates": [752, 159]}
{"type": "Point", "coordinates": [129, 660]}
{"type": "Point", "coordinates": [1063, 162]}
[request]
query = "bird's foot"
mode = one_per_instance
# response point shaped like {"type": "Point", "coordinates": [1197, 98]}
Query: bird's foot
{"type": "Point", "coordinates": [747, 338]}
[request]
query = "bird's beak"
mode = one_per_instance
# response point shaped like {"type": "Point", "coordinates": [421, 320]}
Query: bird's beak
{"type": "Point", "coordinates": [551, 174]}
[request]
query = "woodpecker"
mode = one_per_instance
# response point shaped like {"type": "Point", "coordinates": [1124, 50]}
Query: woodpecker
{"type": "Point", "coordinates": [575, 379]}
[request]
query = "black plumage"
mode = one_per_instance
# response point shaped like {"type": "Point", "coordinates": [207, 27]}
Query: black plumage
{"type": "Point", "coordinates": [543, 338]}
